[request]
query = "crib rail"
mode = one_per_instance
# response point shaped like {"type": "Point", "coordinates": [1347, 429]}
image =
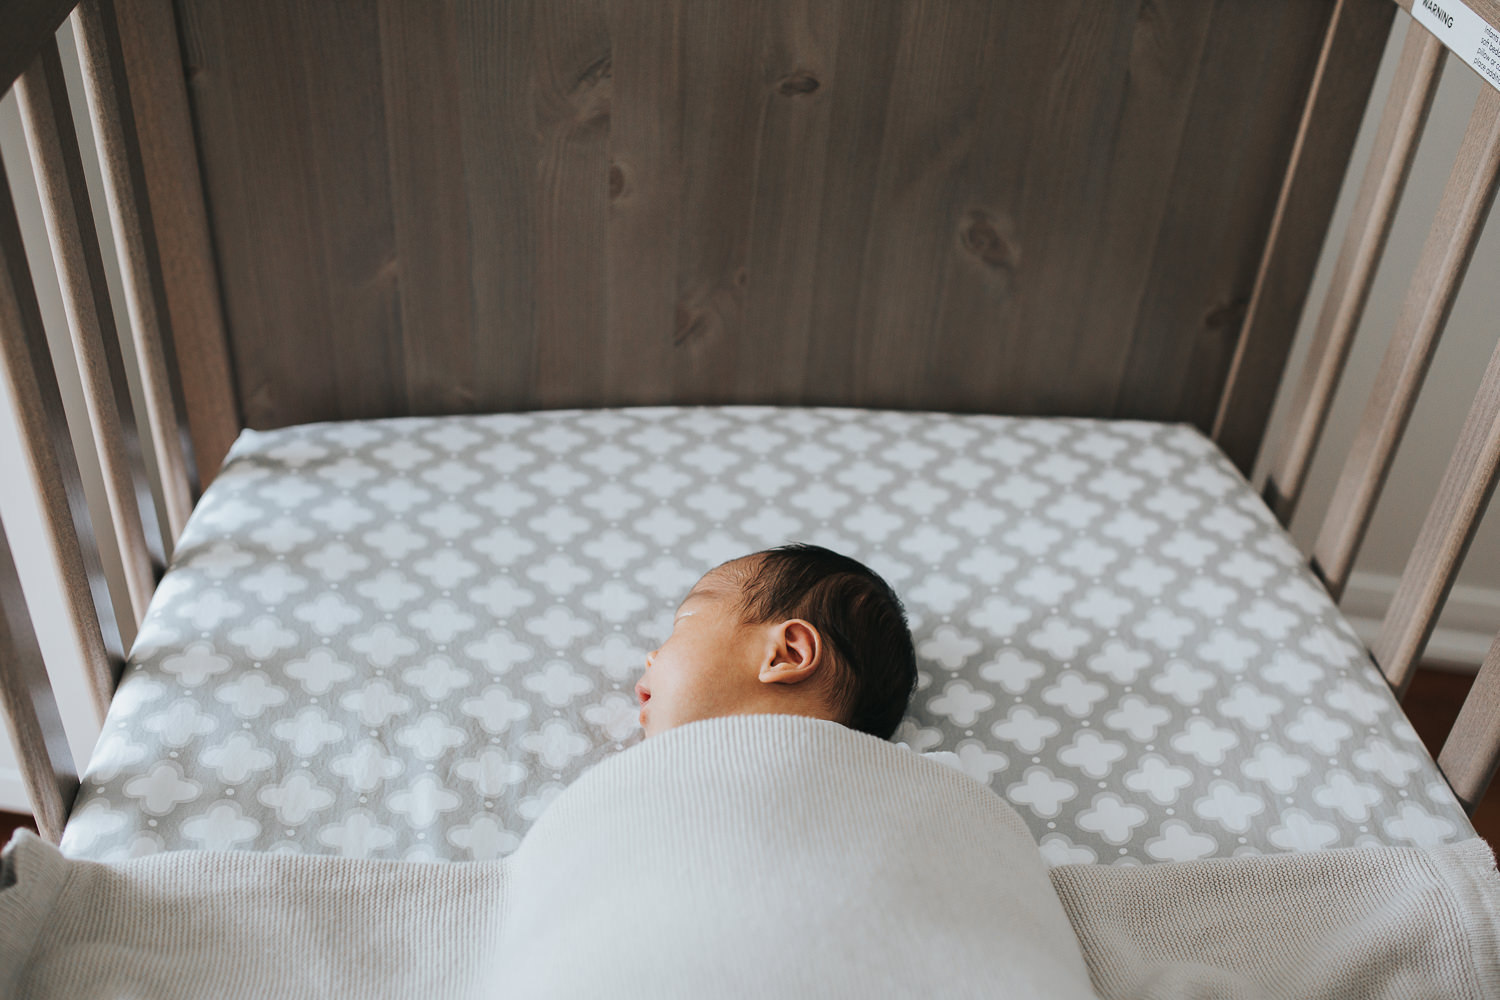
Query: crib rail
{"type": "Point", "coordinates": [1471, 754]}
{"type": "Point", "coordinates": [142, 539]}
{"type": "Point", "coordinates": [42, 94]}
{"type": "Point", "coordinates": [31, 382]}
{"type": "Point", "coordinates": [145, 292]}
{"type": "Point", "coordinates": [1405, 113]}
{"type": "Point", "coordinates": [30, 707]}
{"type": "Point", "coordinates": [1434, 285]}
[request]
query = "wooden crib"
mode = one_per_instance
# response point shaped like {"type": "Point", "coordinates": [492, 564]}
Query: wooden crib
{"type": "Point", "coordinates": [347, 211]}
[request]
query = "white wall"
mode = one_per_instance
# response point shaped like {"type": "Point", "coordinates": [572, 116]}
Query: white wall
{"type": "Point", "coordinates": [1473, 615]}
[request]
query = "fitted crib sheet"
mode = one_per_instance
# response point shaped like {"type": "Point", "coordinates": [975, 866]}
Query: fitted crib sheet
{"type": "Point", "coordinates": [400, 638]}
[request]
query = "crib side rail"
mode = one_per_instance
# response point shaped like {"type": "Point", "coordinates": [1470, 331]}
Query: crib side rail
{"type": "Point", "coordinates": [45, 114]}
{"type": "Point", "coordinates": [1402, 119]}
{"type": "Point", "coordinates": [1472, 752]}
{"type": "Point", "coordinates": [140, 263]}
{"type": "Point", "coordinates": [52, 465]}
{"type": "Point", "coordinates": [30, 707]}
{"type": "Point", "coordinates": [1440, 271]}
{"type": "Point", "coordinates": [106, 420]}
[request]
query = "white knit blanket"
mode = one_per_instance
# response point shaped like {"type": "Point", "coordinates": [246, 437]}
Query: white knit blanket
{"type": "Point", "coordinates": [755, 856]}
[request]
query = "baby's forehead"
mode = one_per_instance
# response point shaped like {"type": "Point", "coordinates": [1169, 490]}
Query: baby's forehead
{"type": "Point", "coordinates": [725, 580]}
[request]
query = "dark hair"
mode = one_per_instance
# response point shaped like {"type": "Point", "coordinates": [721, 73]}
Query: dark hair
{"type": "Point", "coordinates": [860, 618]}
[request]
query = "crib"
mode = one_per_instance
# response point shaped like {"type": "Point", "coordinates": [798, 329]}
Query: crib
{"type": "Point", "coordinates": [469, 336]}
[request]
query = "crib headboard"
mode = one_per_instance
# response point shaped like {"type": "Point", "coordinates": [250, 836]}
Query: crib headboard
{"type": "Point", "coordinates": [339, 210]}
{"type": "Point", "coordinates": [956, 205]}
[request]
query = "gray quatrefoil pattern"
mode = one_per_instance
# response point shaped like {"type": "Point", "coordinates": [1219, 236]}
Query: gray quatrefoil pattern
{"type": "Point", "coordinates": [400, 638]}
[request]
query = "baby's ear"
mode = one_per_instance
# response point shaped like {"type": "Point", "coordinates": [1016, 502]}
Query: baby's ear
{"type": "Point", "coordinates": [796, 654]}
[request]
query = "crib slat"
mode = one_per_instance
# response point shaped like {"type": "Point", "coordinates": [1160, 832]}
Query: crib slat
{"type": "Point", "coordinates": [1471, 752]}
{"type": "Point", "coordinates": [1445, 536]}
{"type": "Point", "coordinates": [48, 121]}
{"type": "Point", "coordinates": [1401, 122]}
{"type": "Point", "coordinates": [26, 367]}
{"type": "Point", "coordinates": [135, 239]}
{"type": "Point", "coordinates": [1440, 270]}
{"type": "Point", "coordinates": [30, 708]}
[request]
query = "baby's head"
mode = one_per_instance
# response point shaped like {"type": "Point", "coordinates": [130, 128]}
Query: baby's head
{"type": "Point", "coordinates": [795, 630]}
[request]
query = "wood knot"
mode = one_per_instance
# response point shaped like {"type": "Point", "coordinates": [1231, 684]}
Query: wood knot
{"type": "Point", "coordinates": [616, 180]}
{"type": "Point", "coordinates": [982, 237]}
{"type": "Point", "coordinates": [1226, 316]}
{"type": "Point", "coordinates": [742, 277]}
{"type": "Point", "coordinates": [691, 325]}
{"type": "Point", "coordinates": [800, 82]}
{"type": "Point", "coordinates": [593, 90]}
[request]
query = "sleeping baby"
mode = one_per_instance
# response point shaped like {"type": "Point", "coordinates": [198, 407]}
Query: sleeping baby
{"type": "Point", "coordinates": [794, 630]}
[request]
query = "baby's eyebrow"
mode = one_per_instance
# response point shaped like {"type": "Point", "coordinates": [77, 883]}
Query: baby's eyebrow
{"type": "Point", "coordinates": [696, 592]}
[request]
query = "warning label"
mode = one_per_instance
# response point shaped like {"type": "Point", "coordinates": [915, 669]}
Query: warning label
{"type": "Point", "coordinates": [1468, 35]}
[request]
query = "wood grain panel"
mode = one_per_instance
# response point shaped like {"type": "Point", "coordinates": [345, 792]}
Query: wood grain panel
{"type": "Point", "coordinates": [797, 62]}
{"type": "Point", "coordinates": [1352, 49]}
{"type": "Point", "coordinates": [930, 125]}
{"type": "Point", "coordinates": [350, 201]}
{"type": "Point", "coordinates": [721, 115]}
{"type": "Point", "coordinates": [574, 87]}
{"type": "Point", "coordinates": [261, 185]}
{"type": "Point", "coordinates": [858, 93]}
{"type": "Point", "coordinates": [496, 75]}
{"type": "Point", "coordinates": [1057, 125]}
{"type": "Point", "coordinates": [179, 221]}
{"type": "Point", "coordinates": [424, 133]}
{"type": "Point", "coordinates": [939, 204]}
{"type": "Point", "coordinates": [644, 184]}
{"type": "Point", "coordinates": [1151, 98]}
{"type": "Point", "coordinates": [1247, 101]}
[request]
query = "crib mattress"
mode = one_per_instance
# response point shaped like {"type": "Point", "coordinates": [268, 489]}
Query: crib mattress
{"type": "Point", "coordinates": [400, 638]}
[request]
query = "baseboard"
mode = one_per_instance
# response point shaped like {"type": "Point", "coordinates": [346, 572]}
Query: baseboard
{"type": "Point", "coordinates": [13, 792]}
{"type": "Point", "coordinates": [1465, 628]}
